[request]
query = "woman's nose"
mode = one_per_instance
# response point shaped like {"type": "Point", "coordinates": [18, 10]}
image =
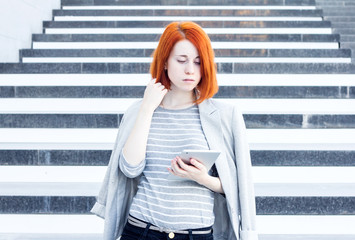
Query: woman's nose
{"type": "Point", "coordinates": [189, 68]}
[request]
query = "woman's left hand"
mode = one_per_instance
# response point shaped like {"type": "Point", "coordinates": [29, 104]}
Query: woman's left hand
{"type": "Point", "coordinates": [195, 171]}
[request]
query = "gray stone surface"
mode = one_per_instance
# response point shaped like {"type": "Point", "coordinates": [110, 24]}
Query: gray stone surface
{"type": "Point", "coordinates": [265, 68]}
{"type": "Point", "coordinates": [264, 205]}
{"type": "Point", "coordinates": [197, 12]}
{"type": "Point", "coordinates": [101, 158]}
{"type": "Point", "coordinates": [284, 53]}
{"type": "Point", "coordinates": [213, 37]}
{"type": "Point", "coordinates": [190, 2]}
{"type": "Point", "coordinates": [112, 121]}
{"type": "Point", "coordinates": [46, 204]}
{"type": "Point", "coordinates": [305, 205]}
{"type": "Point", "coordinates": [303, 158]}
{"type": "Point", "coordinates": [138, 91]}
{"type": "Point", "coordinates": [59, 120]}
{"type": "Point", "coordinates": [55, 157]}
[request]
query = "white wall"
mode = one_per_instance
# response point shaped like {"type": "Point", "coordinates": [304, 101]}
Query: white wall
{"type": "Point", "coordinates": [19, 19]}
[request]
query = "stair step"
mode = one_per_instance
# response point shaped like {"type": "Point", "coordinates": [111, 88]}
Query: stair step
{"type": "Point", "coordinates": [112, 121]}
{"type": "Point", "coordinates": [138, 92]}
{"type": "Point", "coordinates": [189, 12]}
{"type": "Point", "coordinates": [270, 205]}
{"type": "Point", "coordinates": [348, 38]}
{"type": "Point", "coordinates": [95, 174]}
{"type": "Point", "coordinates": [142, 79]}
{"type": "Point", "coordinates": [79, 227]}
{"type": "Point", "coordinates": [189, 7]}
{"type": "Point", "coordinates": [39, 226]}
{"type": "Point", "coordinates": [301, 158]}
{"type": "Point", "coordinates": [267, 42]}
{"type": "Point", "coordinates": [306, 237]}
{"type": "Point", "coordinates": [341, 25]}
{"type": "Point", "coordinates": [348, 45]}
{"type": "Point", "coordinates": [101, 158]}
{"type": "Point", "coordinates": [219, 53]}
{"type": "Point", "coordinates": [259, 139]}
{"type": "Point", "coordinates": [346, 31]}
{"type": "Point", "coordinates": [299, 226]}
{"type": "Point", "coordinates": [335, 19]}
{"type": "Point", "coordinates": [183, 17]}
{"type": "Point", "coordinates": [189, 3]}
{"type": "Point", "coordinates": [217, 60]}
{"type": "Point", "coordinates": [116, 106]}
{"type": "Point", "coordinates": [152, 38]}
{"type": "Point", "coordinates": [335, 3]}
{"type": "Point", "coordinates": [240, 68]}
{"type": "Point", "coordinates": [246, 30]}
{"type": "Point", "coordinates": [57, 157]}
{"type": "Point", "coordinates": [42, 190]}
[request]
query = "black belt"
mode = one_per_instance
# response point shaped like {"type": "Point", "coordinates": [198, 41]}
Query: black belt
{"type": "Point", "coordinates": [138, 223]}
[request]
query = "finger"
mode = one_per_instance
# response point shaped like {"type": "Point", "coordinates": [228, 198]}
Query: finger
{"type": "Point", "coordinates": [197, 164]}
{"type": "Point", "coordinates": [181, 163]}
{"type": "Point", "coordinates": [171, 171]}
{"type": "Point", "coordinates": [177, 167]}
{"type": "Point", "coordinates": [151, 82]}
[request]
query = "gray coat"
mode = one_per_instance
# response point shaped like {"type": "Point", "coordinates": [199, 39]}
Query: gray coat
{"type": "Point", "coordinates": [224, 128]}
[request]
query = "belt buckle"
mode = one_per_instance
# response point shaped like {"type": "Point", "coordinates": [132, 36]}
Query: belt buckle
{"type": "Point", "coordinates": [171, 235]}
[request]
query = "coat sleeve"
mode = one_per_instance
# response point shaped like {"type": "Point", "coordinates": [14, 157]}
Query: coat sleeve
{"type": "Point", "coordinates": [245, 180]}
{"type": "Point", "coordinates": [99, 208]}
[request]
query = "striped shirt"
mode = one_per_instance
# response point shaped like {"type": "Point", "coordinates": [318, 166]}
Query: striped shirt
{"type": "Point", "coordinates": [172, 204]}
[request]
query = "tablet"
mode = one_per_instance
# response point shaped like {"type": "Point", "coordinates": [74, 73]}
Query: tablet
{"type": "Point", "coordinates": [207, 157]}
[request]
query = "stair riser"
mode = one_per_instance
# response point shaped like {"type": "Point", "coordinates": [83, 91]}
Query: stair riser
{"type": "Point", "coordinates": [138, 91]}
{"type": "Point", "coordinates": [67, 38]}
{"type": "Point", "coordinates": [264, 205]}
{"type": "Point", "coordinates": [101, 158]}
{"type": "Point", "coordinates": [237, 68]}
{"type": "Point", "coordinates": [197, 12]}
{"type": "Point", "coordinates": [112, 121]}
{"type": "Point", "coordinates": [189, 2]}
{"type": "Point", "coordinates": [316, 53]}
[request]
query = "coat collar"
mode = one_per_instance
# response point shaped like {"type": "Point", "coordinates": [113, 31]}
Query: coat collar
{"type": "Point", "coordinates": [211, 124]}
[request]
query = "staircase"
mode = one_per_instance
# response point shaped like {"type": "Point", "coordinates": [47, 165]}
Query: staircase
{"type": "Point", "coordinates": [279, 60]}
{"type": "Point", "coordinates": [341, 14]}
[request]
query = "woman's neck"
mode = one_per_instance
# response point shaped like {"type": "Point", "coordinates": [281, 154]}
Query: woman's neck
{"type": "Point", "coordinates": [178, 99]}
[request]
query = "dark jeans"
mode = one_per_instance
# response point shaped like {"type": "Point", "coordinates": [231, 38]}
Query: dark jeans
{"type": "Point", "coordinates": [131, 232]}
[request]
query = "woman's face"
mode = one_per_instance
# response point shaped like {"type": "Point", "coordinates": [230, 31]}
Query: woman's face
{"type": "Point", "coordinates": [183, 66]}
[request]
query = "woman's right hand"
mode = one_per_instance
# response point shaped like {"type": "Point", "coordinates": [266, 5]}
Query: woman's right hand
{"type": "Point", "coordinates": [153, 94]}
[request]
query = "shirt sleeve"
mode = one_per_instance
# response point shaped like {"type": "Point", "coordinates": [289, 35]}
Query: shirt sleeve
{"type": "Point", "coordinates": [129, 170]}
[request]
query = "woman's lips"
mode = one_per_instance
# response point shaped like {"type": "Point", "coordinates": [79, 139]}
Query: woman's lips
{"type": "Point", "coordinates": [188, 80]}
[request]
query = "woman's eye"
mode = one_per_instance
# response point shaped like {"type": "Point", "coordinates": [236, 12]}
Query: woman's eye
{"type": "Point", "coordinates": [181, 61]}
{"type": "Point", "coordinates": [197, 63]}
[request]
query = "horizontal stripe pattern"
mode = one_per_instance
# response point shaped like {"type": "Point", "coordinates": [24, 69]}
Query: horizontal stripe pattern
{"type": "Point", "coordinates": [172, 204]}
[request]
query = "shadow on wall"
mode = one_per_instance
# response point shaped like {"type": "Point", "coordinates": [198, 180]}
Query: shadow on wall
{"type": "Point", "coordinates": [19, 19]}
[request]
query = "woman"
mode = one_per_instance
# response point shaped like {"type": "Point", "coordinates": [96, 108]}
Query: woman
{"type": "Point", "coordinates": [137, 199]}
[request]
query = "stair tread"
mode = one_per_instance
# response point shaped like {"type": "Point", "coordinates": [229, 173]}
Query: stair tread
{"type": "Point", "coordinates": [72, 189]}
{"type": "Point", "coordinates": [214, 37]}
{"type": "Point", "coordinates": [88, 224]}
{"type": "Point", "coordinates": [265, 68]}
{"type": "Point", "coordinates": [190, 12]}
{"type": "Point", "coordinates": [116, 106]}
{"type": "Point", "coordinates": [262, 138]}
{"type": "Point", "coordinates": [142, 79]}
{"type": "Point", "coordinates": [192, 3]}
{"type": "Point", "coordinates": [219, 53]}
{"type": "Point", "coordinates": [51, 157]}
{"type": "Point", "coordinates": [261, 175]}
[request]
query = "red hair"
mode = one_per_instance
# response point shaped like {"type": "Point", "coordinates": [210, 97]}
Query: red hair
{"type": "Point", "coordinates": [174, 33]}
